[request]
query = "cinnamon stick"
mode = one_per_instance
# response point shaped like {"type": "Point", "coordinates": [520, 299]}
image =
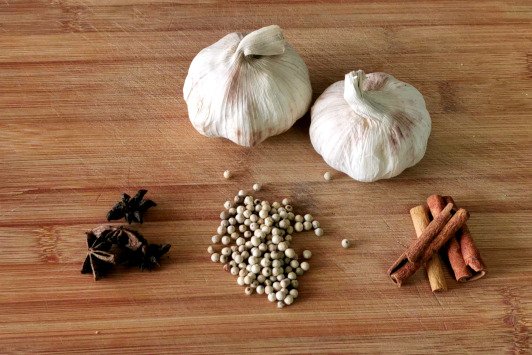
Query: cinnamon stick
{"type": "Point", "coordinates": [460, 269]}
{"type": "Point", "coordinates": [403, 268]}
{"type": "Point", "coordinates": [420, 218]}
{"type": "Point", "coordinates": [415, 251]}
{"type": "Point", "coordinates": [470, 252]}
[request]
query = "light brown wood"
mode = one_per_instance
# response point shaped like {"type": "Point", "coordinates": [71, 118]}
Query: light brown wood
{"type": "Point", "coordinates": [434, 267]}
{"type": "Point", "coordinates": [91, 106]}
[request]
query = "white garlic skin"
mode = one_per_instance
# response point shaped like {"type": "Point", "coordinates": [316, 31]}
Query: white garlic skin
{"type": "Point", "coordinates": [370, 126]}
{"type": "Point", "coordinates": [247, 88]}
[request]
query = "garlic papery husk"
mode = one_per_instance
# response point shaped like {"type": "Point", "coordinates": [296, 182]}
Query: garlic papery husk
{"type": "Point", "coordinates": [247, 88]}
{"type": "Point", "coordinates": [370, 126]}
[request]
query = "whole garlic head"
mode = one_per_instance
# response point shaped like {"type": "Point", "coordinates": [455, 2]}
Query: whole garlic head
{"type": "Point", "coordinates": [370, 126]}
{"type": "Point", "coordinates": [247, 88]}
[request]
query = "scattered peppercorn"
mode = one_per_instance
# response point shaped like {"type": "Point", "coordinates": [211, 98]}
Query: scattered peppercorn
{"type": "Point", "coordinates": [327, 176]}
{"type": "Point", "coordinates": [346, 243]}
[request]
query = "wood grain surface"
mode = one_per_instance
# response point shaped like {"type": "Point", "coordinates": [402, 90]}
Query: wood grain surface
{"type": "Point", "coordinates": [91, 106]}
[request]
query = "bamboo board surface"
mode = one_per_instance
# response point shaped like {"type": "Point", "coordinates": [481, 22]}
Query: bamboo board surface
{"type": "Point", "coordinates": [91, 106]}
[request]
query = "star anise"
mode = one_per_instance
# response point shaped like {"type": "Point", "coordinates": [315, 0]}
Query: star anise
{"type": "Point", "coordinates": [98, 260]}
{"type": "Point", "coordinates": [129, 208]}
{"type": "Point", "coordinates": [132, 249]}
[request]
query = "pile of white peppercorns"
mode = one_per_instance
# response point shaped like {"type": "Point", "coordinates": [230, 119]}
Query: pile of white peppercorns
{"type": "Point", "coordinates": [261, 256]}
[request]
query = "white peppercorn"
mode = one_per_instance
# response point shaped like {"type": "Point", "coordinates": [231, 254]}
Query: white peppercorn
{"type": "Point", "coordinates": [271, 297]}
{"type": "Point", "coordinates": [227, 174]}
{"type": "Point", "coordinates": [290, 253]}
{"type": "Point", "coordinates": [288, 300]}
{"type": "Point", "coordinates": [242, 272]}
{"type": "Point", "coordinates": [294, 264]}
{"type": "Point", "coordinates": [232, 211]}
{"type": "Point", "coordinates": [346, 243]}
{"type": "Point", "coordinates": [255, 268]}
{"type": "Point", "coordinates": [224, 259]}
{"type": "Point", "coordinates": [308, 218]}
{"type": "Point", "coordinates": [232, 221]}
{"type": "Point", "coordinates": [276, 286]}
{"type": "Point", "coordinates": [307, 225]}
{"type": "Point", "coordinates": [298, 227]}
{"type": "Point", "coordinates": [280, 304]}
{"type": "Point", "coordinates": [292, 276]}
{"type": "Point", "coordinates": [305, 266]}
{"type": "Point", "coordinates": [261, 278]}
{"type": "Point", "coordinates": [294, 293]}
{"type": "Point", "coordinates": [248, 200]}
{"type": "Point", "coordinates": [224, 215]}
{"type": "Point", "coordinates": [286, 201]}
{"type": "Point", "coordinates": [242, 193]}
{"type": "Point", "coordinates": [327, 176]}
{"type": "Point", "coordinates": [216, 239]}
{"type": "Point", "coordinates": [210, 249]}
{"type": "Point", "coordinates": [288, 238]}
{"type": "Point", "coordinates": [230, 229]}
{"type": "Point", "coordinates": [240, 281]}
{"type": "Point", "coordinates": [279, 295]}
{"type": "Point", "coordinates": [268, 289]}
{"type": "Point", "coordinates": [225, 223]}
{"type": "Point", "coordinates": [307, 254]}
{"type": "Point", "coordinates": [267, 271]}
{"type": "Point", "coordinates": [295, 283]}
{"type": "Point", "coordinates": [282, 246]}
{"type": "Point", "coordinates": [226, 251]}
{"type": "Point", "coordinates": [221, 230]}
{"type": "Point", "coordinates": [285, 283]}
{"type": "Point", "coordinates": [226, 240]}
{"type": "Point", "coordinates": [260, 289]}
{"type": "Point", "coordinates": [315, 224]}
{"type": "Point", "coordinates": [235, 270]}
{"type": "Point", "coordinates": [318, 232]}
{"type": "Point", "coordinates": [215, 257]}
{"type": "Point", "coordinates": [256, 187]}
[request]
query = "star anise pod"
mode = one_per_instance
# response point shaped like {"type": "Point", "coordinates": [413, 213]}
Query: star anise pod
{"type": "Point", "coordinates": [129, 208]}
{"type": "Point", "coordinates": [132, 249]}
{"type": "Point", "coordinates": [98, 260]}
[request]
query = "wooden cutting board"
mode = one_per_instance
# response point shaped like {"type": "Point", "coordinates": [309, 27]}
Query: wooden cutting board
{"type": "Point", "coordinates": [91, 106]}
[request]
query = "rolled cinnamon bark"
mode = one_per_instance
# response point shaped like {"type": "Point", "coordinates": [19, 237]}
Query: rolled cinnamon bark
{"type": "Point", "coordinates": [470, 253]}
{"type": "Point", "coordinates": [461, 272]}
{"type": "Point", "coordinates": [415, 251]}
{"type": "Point", "coordinates": [403, 268]}
{"type": "Point", "coordinates": [420, 218]}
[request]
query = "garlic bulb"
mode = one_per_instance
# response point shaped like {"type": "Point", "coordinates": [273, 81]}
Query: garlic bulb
{"type": "Point", "coordinates": [247, 88]}
{"type": "Point", "coordinates": [370, 126]}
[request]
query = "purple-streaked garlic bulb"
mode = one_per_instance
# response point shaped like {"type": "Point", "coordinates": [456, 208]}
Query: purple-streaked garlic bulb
{"type": "Point", "coordinates": [370, 126]}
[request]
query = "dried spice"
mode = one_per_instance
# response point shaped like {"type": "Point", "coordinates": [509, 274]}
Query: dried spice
{"type": "Point", "coordinates": [110, 245]}
{"type": "Point", "coordinates": [129, 208]}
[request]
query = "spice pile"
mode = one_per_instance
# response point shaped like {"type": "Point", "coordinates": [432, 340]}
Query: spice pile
{"type": "Point", "coordinates": [256, 237]}
{"type": "Point", "coordinates": [448, 228]}
{"type": "Point", "coordinates": [109, 245]}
